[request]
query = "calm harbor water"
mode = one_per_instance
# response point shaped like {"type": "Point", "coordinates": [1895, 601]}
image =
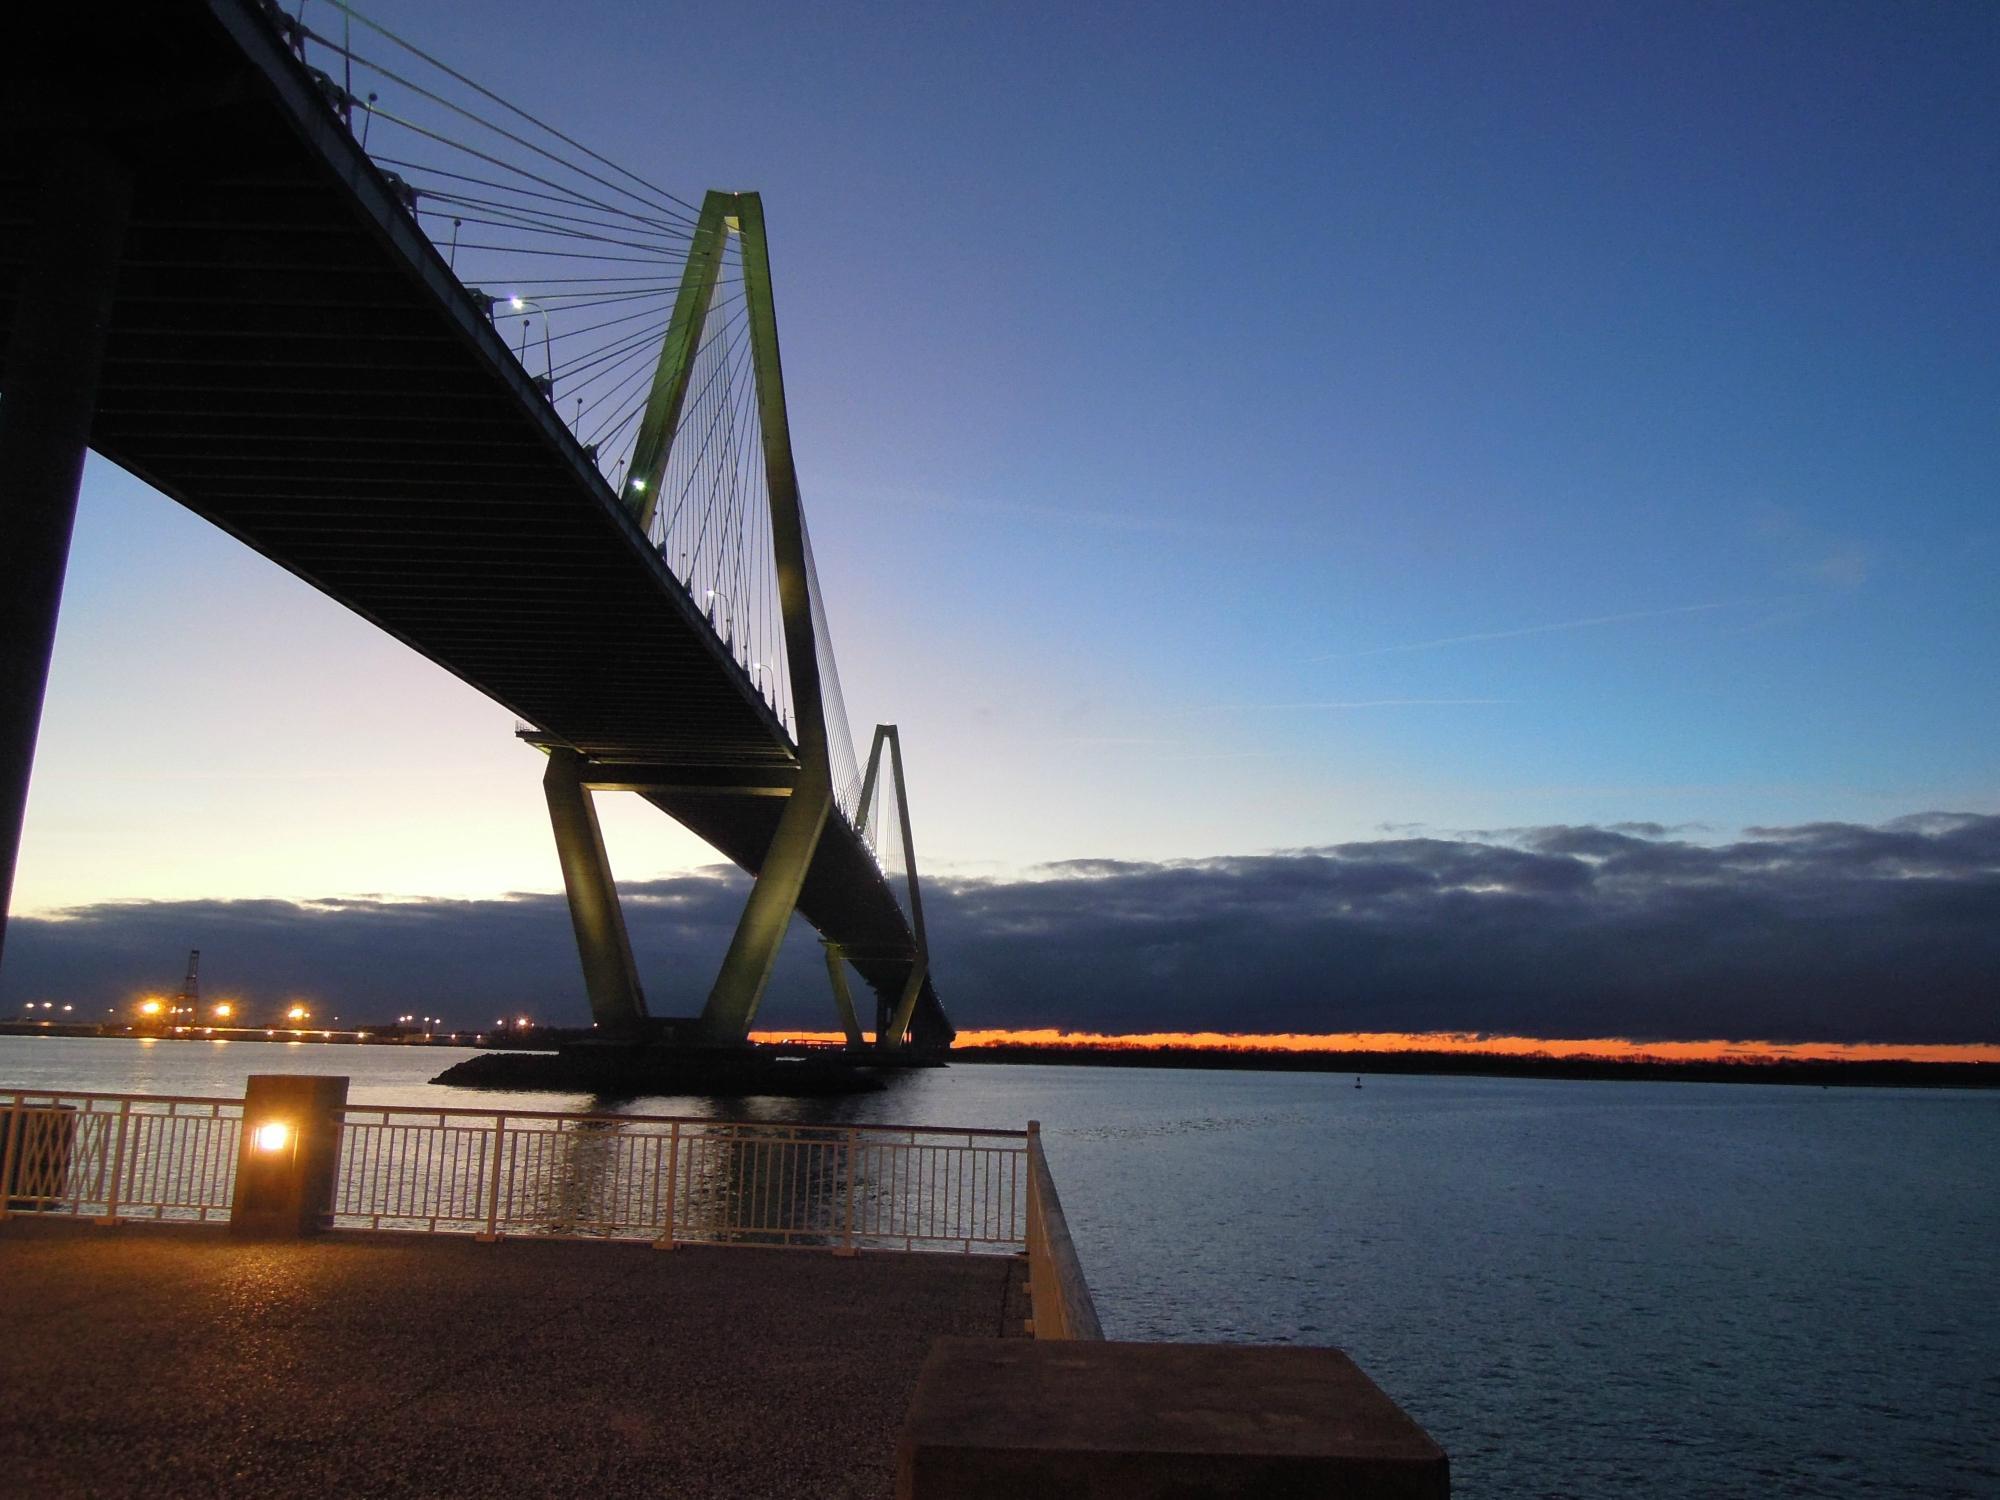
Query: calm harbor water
{"type": "Point", "coordinates": [1580, 1288]}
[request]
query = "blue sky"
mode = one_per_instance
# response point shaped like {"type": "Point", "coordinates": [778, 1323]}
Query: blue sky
{"type": "Point", "coordinates": [1223, 430]}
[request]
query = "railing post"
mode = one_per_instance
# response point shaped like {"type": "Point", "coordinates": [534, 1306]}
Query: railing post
{"type": "Point", "coordinates": [492, 1232]}
{"type": "Point", "coordinates": [7, 1159]}
{"type": "Point", "coordinates": [853, 1151]}
{"type": "Point", "coordinates": [666, 1239]}
{"type": "Point", "coordinates": [117, 1164]}
{"type": "Point", "coordinates": [1028, 1153]}
{"type": "Point", "coordinates": [1041, 1310]}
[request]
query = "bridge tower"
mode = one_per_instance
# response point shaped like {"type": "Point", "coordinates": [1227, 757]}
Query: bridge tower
{"type": "Point", "coordinates": [892, 1025]}
{"type": "Point", "coordinates": [611, 978]}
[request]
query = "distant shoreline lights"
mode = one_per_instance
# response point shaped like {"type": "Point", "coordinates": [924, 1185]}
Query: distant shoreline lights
{"type": "Point", "coordinates": [1609, 1049]}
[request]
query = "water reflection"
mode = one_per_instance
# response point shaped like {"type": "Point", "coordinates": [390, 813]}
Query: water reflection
{"type": "Point", "coordinates": [696, 1180]}
{"type": "Point", "coordinates": [779, 1182]}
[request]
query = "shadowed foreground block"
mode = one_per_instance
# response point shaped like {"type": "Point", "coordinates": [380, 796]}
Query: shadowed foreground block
{"type": "Point", "coordinates": [1060, 1419]}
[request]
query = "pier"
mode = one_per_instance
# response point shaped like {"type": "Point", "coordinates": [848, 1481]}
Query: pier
{"type": "Point", "coordinates": [287, 1292]}
{"type": "Point", "coordinates": [142, 1360]}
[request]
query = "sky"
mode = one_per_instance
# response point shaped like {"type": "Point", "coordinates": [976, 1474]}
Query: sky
{"type": "Point", "coordinates": [1227, 433]}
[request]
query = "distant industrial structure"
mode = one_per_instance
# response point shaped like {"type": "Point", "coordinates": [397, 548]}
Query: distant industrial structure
{"type": "Point", "coordinates": [188, 1002]}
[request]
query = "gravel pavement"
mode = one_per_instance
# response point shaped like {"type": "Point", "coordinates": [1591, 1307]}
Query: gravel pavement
{"type": "Point", "coordinates": [158, 1361]}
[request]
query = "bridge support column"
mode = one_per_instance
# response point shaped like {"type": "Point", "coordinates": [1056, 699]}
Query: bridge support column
{"type": "Point", "coordinates": [61, 318]}
{"type": "Point", "coordinates": [610, 976]}
{"type": "Point", "coordinates": [906, 1007]}
{"type": "Point", "coordinates": [746, 969]}
{"type": "Point", "coordinates": [843, 998]}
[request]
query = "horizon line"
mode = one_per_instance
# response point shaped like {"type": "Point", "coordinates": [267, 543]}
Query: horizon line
{"type": "Point", "coordinates": [1464, 1043]}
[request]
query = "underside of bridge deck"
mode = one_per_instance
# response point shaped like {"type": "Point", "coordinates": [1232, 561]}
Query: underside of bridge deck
{"type": "Point", "coordinates": [289, 356]}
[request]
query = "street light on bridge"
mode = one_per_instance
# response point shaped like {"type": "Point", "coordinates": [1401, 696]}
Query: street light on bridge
{"type": "Point", "coordinates": [521, 305]}
{"type": "Point", "coordinates": [728, 614]}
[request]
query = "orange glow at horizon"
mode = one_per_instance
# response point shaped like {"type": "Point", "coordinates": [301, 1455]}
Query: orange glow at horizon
{"type": "Point", "coordinates": [1613, 1049]}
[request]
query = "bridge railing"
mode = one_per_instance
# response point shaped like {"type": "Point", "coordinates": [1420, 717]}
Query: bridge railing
{"type": "Point", "coordinates": [494, 1173]}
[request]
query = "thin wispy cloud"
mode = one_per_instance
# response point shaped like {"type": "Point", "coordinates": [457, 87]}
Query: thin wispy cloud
{"type": "Point", "coordinates": [1590, 623]}
{"type": "Point", "coordinates": [1229, 755]}
{"type": "Point", "coordinates": [1348, 703]}
{"type": "Point", "coordinates": [1136, 521]}
{"type": "Point", "coordinates": [1811, 551]}
{"type": "Point", "coordinates": [1181, 749]}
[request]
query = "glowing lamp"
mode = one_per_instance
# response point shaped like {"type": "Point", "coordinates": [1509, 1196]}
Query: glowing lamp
{"type": "Point", "coordinates": [639, 485]}
{"type": "Point", "coordinates": [150, 1008]}
{"type": "Point", "coordinates": [296, 1013]}
{"type": "Point", "coordinates": [224, 1012]}
{"type": "Point", "coordinates": [516, 303]}
{"type": "Point", "coordinates": [273, 1137]}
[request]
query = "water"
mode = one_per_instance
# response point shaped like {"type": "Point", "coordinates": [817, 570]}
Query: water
{"type": "Point", "coordinates": [1579, 1288]}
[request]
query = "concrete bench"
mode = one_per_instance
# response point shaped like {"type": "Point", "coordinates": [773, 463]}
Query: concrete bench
{"type": "Point", "coordinates": [1004, 1419]}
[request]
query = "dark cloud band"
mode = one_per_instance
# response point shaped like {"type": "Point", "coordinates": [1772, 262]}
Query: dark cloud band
{"type": "Point", "coordinates": [1820, 932]}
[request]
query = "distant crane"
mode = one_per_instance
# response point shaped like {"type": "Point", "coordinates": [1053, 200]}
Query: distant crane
{"type": "Point", "coordinates": [190, 996]}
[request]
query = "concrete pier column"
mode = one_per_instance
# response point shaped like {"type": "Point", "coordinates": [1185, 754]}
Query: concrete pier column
{"type": "Point", "coordinates": [610, 977]}
{"type": "Point", "coordinates": [843, 997]}
{"type": "Point", "coordinates": [289, 1156]}
{"type": "Point", "coordinates": [48, 396]}
{"type": "Point", "coordinates": [760, 931]}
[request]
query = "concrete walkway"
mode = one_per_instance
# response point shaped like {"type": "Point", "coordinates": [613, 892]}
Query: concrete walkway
{"type": "Point", "coordinates": [163, 1361]}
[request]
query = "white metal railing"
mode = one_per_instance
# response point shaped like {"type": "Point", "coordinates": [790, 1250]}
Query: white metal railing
{"type": "Point", "coordinates": [118, 1156]}
{"type": "Point", "coordinates": [491, 1173]}
{"type": "Point", "coordinates": [678, 1179]}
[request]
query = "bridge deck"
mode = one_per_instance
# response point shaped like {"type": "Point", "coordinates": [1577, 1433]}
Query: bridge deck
{"type": "Point", "coordinates": [152, 1360]}
{"type": "Point", "coordinates": [291, 358]}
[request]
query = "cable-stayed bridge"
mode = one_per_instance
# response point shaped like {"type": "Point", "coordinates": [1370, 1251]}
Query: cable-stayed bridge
{"type": "Point", "coordinates": [511, 402]}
